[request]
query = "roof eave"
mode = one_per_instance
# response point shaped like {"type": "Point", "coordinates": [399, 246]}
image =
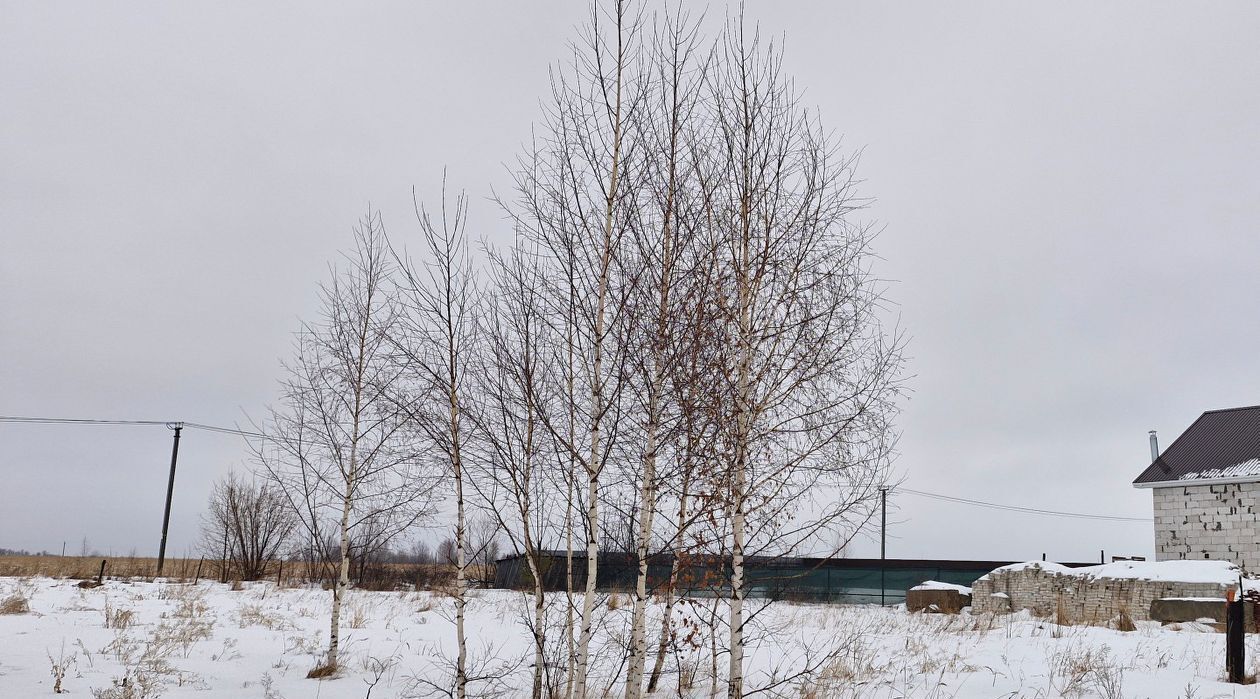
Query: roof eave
{"type": "Point", "coordinates": [1197, 481]}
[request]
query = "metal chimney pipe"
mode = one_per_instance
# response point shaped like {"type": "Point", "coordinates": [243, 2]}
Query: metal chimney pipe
{"type": "Point", "coordinates": [1154, 447]}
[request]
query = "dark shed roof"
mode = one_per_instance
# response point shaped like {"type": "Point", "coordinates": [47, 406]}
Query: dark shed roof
{"type": "Point", "coordinates": [1218, 445]}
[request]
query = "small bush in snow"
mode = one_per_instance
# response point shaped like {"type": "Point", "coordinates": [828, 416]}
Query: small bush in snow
{"type": "Point", "coordinates": [116, 618]}
{"type": "Point", "coordinates": [60, 665]}
{"type": "Point", "coordinates": [15, 603]}
{"type": "Point", "coordinates": [358, 617]}
{"type": "Point", "coordinates": [140, 685]}
{"type": "Point", "coordinates": [321, 671]}
{"type": "Point", "coordinates": [255, 615]}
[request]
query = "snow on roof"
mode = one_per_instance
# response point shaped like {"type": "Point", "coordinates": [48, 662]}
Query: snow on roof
{"type": "Point", "coordinates": [1218, 441]}
{"type": "Point", "coordinates": [934, 585]}
{"type": "Point", "coordinates": [1248, 468]}
{"type": "Point", "coordinates": [1221, 572]}
{"type": "Point", "coordinates": [1043, 565]}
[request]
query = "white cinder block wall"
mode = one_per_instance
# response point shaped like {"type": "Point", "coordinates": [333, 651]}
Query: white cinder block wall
{"type": "Point", "coordinates": [1218, 522]}
{"type": "Point", "coordinates": [1083, 600]}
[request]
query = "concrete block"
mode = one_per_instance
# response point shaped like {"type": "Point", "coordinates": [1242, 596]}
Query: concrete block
{"type": "Point", "coordinates": [944, 601]}
{"type": "Point", "coordinates": [1184, 610]}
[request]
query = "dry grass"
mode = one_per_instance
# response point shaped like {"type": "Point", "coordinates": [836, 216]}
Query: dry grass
{"type": "Point", "coordinates": [116, 618]}
{"type": "Point", "coordinates": [248, 614]}
{"type": "Point", "coordinates": [389, 576]}
{"type": "Point", "coordinates": [147, 659]}
{"type": "Point", "coordinates": [1124, 620]}
{"type": "Point", "coordinates": [86, 568]}
{"type": "Point", "coordinates": [141, 685]}
{"type": "Point", "coordinates": [358, 617]}
{"type": "Point", "coordinates": [1062, 616]}
{"type": "Point", "coordinates": [15, 603]}
{"type": "Point", "coordinates": [321, 671]}
{"type": "Point", "coordinates": [59, 666]}
{"type": "Point", "coordinates": [1077, 670]}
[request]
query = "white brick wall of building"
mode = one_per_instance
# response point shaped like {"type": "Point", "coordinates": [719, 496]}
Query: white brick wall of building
{"type": "Point", "coordinates": [1083, 600]}
{"type": "Point", "coordinates": [1218, 522]}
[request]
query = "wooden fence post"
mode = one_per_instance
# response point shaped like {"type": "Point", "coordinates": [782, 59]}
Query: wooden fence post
{"type": "Point", "coordinates": [1235, 639]}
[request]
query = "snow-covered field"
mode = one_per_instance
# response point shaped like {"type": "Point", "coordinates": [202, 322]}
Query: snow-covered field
{"type": "Point", "coordinates": [210, 641]}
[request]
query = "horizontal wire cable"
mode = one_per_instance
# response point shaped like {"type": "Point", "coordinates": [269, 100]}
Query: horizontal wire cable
{"type": "Point", "coordinates": [93, 421]}
{"type": "Point", "coordinates": [1017, 508]}
{"type": "Point", "coordinates": [78, 421]}
{"type": "Point", "coordinates": [225, 430]}
{"type": "Point", "coordinates": [259, 435]}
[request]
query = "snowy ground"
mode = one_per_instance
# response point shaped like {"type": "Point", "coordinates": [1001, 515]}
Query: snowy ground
{"type": "Point", "coordinates": [210, 641]}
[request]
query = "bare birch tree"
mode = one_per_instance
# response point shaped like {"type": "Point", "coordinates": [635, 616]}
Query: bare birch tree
{"type": "Point", "coordinates": [337, 444]}
{"type": "Point", "coordinates": [810, 374]}
{"type": "Point", "coordinates": [576, 199]}
{"type": "Point", "coordinates": [435, 334]}
{"type": "Point", "coordinates": [690, 484]}
{"type": "Point", "coordinates": [663, 260]}
{"type": "Point", "coordinates": [514, 455]}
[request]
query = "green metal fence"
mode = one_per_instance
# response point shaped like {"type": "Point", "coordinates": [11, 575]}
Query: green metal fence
{"type": "Point", "coordinates": [842, 580]}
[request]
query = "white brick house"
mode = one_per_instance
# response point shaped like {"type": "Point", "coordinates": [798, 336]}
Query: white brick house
{"type": "Point", "coordinates": [1206, 488]}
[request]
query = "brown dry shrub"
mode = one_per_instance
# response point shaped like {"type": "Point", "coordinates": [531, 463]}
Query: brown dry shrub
{"type": "Point", "coordinates": [1124, 621]}
{"type": "Point", "coordinates": [15, 603]}
{"type": "Point", "coordinates": [118, 618]}
{"type": "Point", "coordinates": [358, 617]}
{"type": "Point", "coordinates": [446, 588]}
{"type": "Point", "coordinates": [319, 672]}
{"type": "Point", "coordinates": [255, 615]}
{"type": "Point", "coordinates": [1061, 615]}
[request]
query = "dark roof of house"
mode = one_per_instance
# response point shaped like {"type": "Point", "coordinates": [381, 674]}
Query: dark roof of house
{"type": "Point", "coordinates": [1220, 444]}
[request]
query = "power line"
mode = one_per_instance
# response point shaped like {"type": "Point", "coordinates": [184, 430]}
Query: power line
{"type": "Point", "coordinates": [259, 435]}
{"type": "Point", "coordinates": [77, 421]}
{"type": "Point", "coordinates": [226, 430]}
{"type": "Point", "coordinates": [141, 423]}
{"type": "Point", "coordinates": [1017, 508]}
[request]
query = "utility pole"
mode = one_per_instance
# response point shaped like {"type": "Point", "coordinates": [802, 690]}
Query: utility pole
{"type": "Point", "coordinates": [170, 489]}
{"type": "Point", "coordinates": [883, 540]}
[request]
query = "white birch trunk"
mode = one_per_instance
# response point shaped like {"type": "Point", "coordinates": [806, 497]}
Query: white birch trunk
{"type": "Point", "coordinates": [588, 597]}
{"type": "Point", "coordinates": [571, 666]}
{"type": "Point", "coordinates": [594, 466]}
{"type": "Point", "coordinates": [461, 579]}
{"type": "Point", "coordinates": [735, 678]}
{"type": "Point", "coordinates": [350, 474]}
{"type": "Point", "coordinates": [647, 497]}
{"type": "Point", "coordinates": [743, 434]}
{"type": "Point", "coordinates": [540, 618]}
{"type": "Point", "coordinates": [667, 620]}
{"type": "Point", "coordinates": [457, 466]}
{"type": "Point", "coordinates": [343, 582]}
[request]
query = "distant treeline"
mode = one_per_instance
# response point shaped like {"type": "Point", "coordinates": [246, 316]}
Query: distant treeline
{"type": "Point", "coordinates": [21, 552]}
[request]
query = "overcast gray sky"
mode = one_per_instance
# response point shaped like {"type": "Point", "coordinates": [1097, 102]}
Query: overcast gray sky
{"type": "Point", "coordinates": [1069, 191]}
